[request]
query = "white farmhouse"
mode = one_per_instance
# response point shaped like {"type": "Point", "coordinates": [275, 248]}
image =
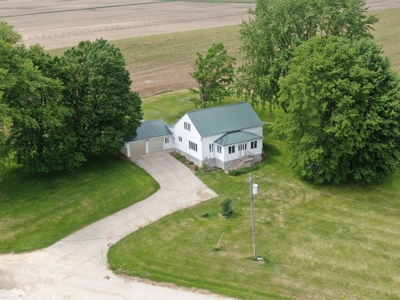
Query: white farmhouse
{"type": "Point", "coordinates": [223, 136]}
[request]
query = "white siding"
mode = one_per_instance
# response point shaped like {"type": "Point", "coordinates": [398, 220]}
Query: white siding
{"type": "Point", "coordinates": [186, 135]}
{"type": "Point", "coordinates": [183, 136]}
{"type": "Point", "coordinates": [255, 130]}
{"type": "Point", "coordinates": [170, 144]}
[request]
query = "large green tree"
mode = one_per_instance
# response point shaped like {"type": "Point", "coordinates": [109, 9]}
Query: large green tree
{"type": "Point", "coordinates": [56, 112]}
{"type": "Point", "coordinates": [343, 105]}
{"type": "Point", "coordinates": [97, 89]}
{"type": "Point", "coordinates": [33, 124]}
{"type": "Point", "coordinates": [213, 74]}
{"type": "Point", "coordinates": [277, 27]}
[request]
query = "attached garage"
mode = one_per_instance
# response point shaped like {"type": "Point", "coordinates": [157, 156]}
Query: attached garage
{"type": "Point", "coordinates": [137, 148]}
{"type": "Point", "coordinates": [156, 144]}
{"type": "Point", "coordinates": [150, 137]}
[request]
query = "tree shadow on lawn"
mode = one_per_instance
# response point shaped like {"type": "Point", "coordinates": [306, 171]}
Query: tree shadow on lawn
{"type": "Point", "coordinates": [271, 152]}
{"type": "Point", "coordinates": [17, 184]}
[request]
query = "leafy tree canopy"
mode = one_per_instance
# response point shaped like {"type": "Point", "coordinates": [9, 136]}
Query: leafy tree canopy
{"type": "Point", "coordinates": [278, 27]}
{"type": "Point", "coordinates": [214, 76]}
{"type": "Point", "coordinates": [55, 112]}
{"type": "Point", "coordinates": [97, 89]}
{"type": "Point", "coordinates": [343, 104]}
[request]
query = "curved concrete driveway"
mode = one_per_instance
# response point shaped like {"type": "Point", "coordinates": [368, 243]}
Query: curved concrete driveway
{"type": "Point", "coordinates": [76, 267]}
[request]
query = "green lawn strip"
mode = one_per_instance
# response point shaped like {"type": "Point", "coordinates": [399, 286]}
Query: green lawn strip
{"type": "Point", "coordinates": [335, 242]}
{"type": "Point", "coordinates": [169, 50]}
{"type": "Point", "coordinates": [171, 106]}
{"type": "Point", "coordinates": [36, 210]}
{"type": "Point", "coordinates": [387, 34]}
{"type": "Point", "coordinates": [172, 48]}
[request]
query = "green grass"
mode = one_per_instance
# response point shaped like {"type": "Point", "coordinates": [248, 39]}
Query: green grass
{"type": "Point", "coordinates": [318, 242]}
{"type": "Point", "coordinates": [387, 34]}
{"type": "Point", "coordinates": [164, 49]}
{"type": "Point", "coordinates": [36, 210]}
{"type": "Point", "coordinates": [171, 106]}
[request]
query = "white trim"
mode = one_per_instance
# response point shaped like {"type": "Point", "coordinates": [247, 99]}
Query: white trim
{"type": "Point", "coordinates": [128, 150]}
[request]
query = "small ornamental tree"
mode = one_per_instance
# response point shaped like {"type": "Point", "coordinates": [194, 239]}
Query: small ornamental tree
{"type": "Point", "coordinates": [343, 104]}
{"type": "Point", "coordinates": [227, 209]}
{"type": "Point", "coordinates": [214, 76]}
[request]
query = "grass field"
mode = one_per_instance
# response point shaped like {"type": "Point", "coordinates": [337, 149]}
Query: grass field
{"type": "Point", "coordinates": [317, 241]}
{"type": "Point", "coordinates": [36, 210]}
{"type": "Point", "coordinates": [387, 34]}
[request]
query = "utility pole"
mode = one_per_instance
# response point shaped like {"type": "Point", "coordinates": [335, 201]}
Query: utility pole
{"type": "Point", "coordinates": [253, 191]}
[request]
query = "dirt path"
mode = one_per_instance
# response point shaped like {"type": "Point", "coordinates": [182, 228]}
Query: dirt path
{"type": "Point", "coordinates": [76, 267]}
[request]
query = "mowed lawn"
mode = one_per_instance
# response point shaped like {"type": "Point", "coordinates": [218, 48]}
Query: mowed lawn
{"type": "Point", "coordinates": [36, 210]}
{"type": "Point", "coordinates": [317, 241]}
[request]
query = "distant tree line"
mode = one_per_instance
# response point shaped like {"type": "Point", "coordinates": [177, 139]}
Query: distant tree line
{"type": "Point", "coordinates": [56, 112]}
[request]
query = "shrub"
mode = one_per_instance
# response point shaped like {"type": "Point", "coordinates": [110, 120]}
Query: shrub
{"type": "Point", "coordinates": [227, 210]}
{"type": "Point", "coordinates": [205, 215]}
{"type": "Point", "coordinates": [243, 171]}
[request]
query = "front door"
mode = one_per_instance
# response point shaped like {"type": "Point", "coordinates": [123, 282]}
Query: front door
{"type": "Point", "coordinates": [242, 149]}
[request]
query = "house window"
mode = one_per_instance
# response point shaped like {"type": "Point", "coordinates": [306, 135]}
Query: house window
{"type": "Point", "coordinates": [253, 145]}
{"type": "Point", "coordinates": [180, 139]}
{"type": "Point", "coordinates": [166, 140]}
{"type": "Point", "coordinates": [219, 149]}
{"type": "Point", "coordinates": [211, 147]}
{"type": "Point", "coordinates": [231, 149]}
{"type": "Point", "coordinates": [193, 146]}
{"type": "Point", "coordinates": [186, 125]}
{"type": "Point", "coordinates": [242, 147]}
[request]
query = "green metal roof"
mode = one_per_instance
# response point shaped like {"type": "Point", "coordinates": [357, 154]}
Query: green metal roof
{"type": "Point", "coordinates": [236, 138]}
{"type": "Point", "coordinates": [226, 118]}
{"type": "Point", "coordinates": [150, 129]}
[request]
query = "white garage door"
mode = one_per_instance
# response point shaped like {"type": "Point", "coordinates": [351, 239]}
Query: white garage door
{"type": "Point", "coordinates": [156, 144]}
{"type": "Point", "coordinates": [137, 148]}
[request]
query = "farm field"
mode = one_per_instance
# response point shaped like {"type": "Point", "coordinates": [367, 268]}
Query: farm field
{"type": "Point", "coordinates": [318, 242]}
{"type": "Point", "coordinates": [162, 62]}
{"type": "Point", "coordinates": [55, 24]}
{"type": "Point", "coordinates": [67, 25]}
{"type": "Point", "coordinates": [157, 61]}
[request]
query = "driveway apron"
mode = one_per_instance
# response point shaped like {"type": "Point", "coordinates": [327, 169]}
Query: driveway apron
{"type": "Point", "coordinates": [76, 267]}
